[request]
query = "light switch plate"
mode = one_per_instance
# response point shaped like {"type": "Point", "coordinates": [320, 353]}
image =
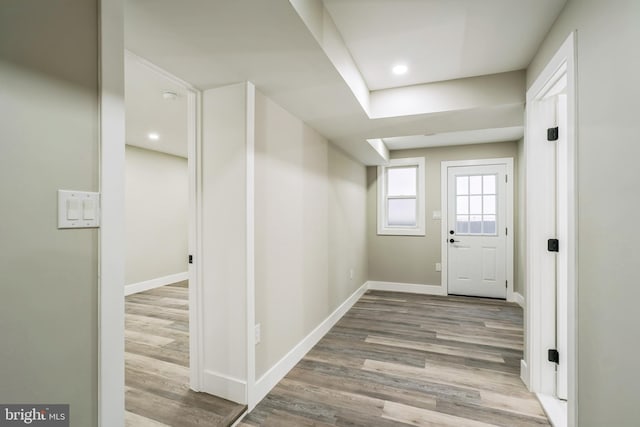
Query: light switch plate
{"type": "Point", "coordinates": [437, 215]}
{"type": "Point", "coordinates": [78, 209]}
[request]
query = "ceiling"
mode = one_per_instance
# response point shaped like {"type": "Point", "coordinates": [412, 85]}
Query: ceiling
{"type": "Point", "coordinates": [274, 45]}
{"type": "Point", "coordinates": [146, 111]}
{"type": "Point", "coordinates": [441, 39]}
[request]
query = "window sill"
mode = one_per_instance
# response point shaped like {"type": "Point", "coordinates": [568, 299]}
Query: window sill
{"type": "Point", "coordinates": [401, 232]}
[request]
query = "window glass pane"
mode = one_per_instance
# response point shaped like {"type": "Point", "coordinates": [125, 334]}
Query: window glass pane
{"type": "Point", "coordinates": [462, 205]}
{"type": "Point", "coordinates": [489, 205]}
{"type": "Point", "coordinates": [401, 181]}
{"type": "Point", "coordinates": [462, 185]}
{"type": "Point", "coordinates": [489, 184]}
{"type": "Point", "coordinates": [489, 224]}
{"type": "Point", "coordinates": [475, 204]}
{"type": "Point", "coordinates": [462, 224]}
{"type": "Point", "coordinates": [475, 224]}
{"type": "Point", "coordinates": [402, 213]}
{"type": "Point", "coordinates": [475, 184]}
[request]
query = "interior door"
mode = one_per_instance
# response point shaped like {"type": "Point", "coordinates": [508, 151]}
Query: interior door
{"type": "Point", "coordinates": [476, 223]}
{"type": "Point", "coordinates": [559, 106]}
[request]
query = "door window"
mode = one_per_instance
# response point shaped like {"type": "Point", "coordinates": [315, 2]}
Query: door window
{"type": "Point", "coordinates": [476, 199]}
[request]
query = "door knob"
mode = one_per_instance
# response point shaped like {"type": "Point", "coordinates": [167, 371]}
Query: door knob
{"type": "Point", "coordinates": [453, 240]}
{"type": "Point", "coordinates": [452, 232]}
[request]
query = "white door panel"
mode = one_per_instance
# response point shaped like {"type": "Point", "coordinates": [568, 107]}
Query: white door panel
{"type": "Point", "coordinates": [562, 234]}
{"type": "Point", "coordinates": [489, 264]}
{"type": "Point", "coordinates": [476, 222]}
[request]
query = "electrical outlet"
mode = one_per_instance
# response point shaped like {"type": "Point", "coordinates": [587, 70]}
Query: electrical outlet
{"type": "Point", "coordinates": [438, 266]}
{"type": "Point", "coordinates": [258, 333]}
{"type": "Point", "coordinates": [351, 273]}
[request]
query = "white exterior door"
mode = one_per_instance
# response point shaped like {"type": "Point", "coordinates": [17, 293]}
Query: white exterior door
{"type": "Point", "coordinates": [477, 231]}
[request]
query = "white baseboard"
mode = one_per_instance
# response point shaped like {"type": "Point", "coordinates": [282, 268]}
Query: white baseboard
{"type": "Point", "coordinates": [155, 283]}
{"type": "Point", "coordinates": [555, 409]}
{"type": "Point", "coordinates": [224, 386]}
{"type": "Point", "coordinates": [524, 372]}
{"type": "Point", "coordinates": [237, 422]}
{"type": "Point", "coordinates": [283, 366]}
{"type": "Point", "coordinates": [407, 287]}
{"type": "Point", "coordinates": [517, 298]}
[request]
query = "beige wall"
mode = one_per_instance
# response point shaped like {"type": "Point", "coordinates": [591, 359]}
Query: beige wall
{"type": "Point", "coordinates": [48, 141]}
{"type": "Point", "coordinates": [608, 66]}
{"type": "Point", "coordinates": [310, 230]}
{"type": "Point", "coordinates": [157, 210]}
{"type": "Point", "coordinates": [412, 259]}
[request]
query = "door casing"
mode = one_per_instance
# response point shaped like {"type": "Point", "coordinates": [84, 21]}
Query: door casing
{"type": "Point", "coordinates": [540, 330]}
{"type": "Point", "coordinates": [444, 176]}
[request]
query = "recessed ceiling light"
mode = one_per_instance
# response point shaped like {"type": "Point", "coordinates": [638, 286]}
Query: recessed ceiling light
{"type": "Point", "coordinates": [153, 136]}
{"type": "Point", "coordinates": [170, 95]}
{"type": "Point", "coordinates": [400, 69]}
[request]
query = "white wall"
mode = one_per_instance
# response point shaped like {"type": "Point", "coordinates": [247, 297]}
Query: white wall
{"type": "Point", "coordinates": [608, 96]}
{"type": "Point", "coordinates": [310, 224]}
{"type": "Point", "coordinates": [156, 205]}
{"type": "Point", "coordinates": [310, 232]}
{"type": "Point", "coordinates": [224, 240]}
{"type": "Point", "coordinates": [48, 141]}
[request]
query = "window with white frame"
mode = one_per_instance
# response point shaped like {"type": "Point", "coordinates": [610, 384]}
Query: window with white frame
{"type": "Point", "coordinates": [401, 197]}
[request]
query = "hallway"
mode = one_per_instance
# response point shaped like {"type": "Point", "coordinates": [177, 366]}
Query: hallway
{"type": "Point", "coordinates": [402, 359]}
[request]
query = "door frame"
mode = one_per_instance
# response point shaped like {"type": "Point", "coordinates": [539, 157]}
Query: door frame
{"type": "Point", "coordinates": [444, 207]}
{"type": "Point", "coordinates": [111, 264]}
{"type": "Point", "coordinates": [540, 332]}
{"type": "Point", "coordinates": [196, 338]}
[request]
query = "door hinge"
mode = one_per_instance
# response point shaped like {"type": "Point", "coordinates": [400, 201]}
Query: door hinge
{"type": "Point", "coordinates": [554, 356]}
{"type": "Point", "coordinates": [553, 245]}
{"type": "Point", "coordinates": [190, 259]}
{"type": "Point", "coordinates": [506, 231]}
{"type": "Point", "coordinates": [552, 134]}
{"type": "Point", "coordinates": [506, 178]}
{"type": "Point", "coordinates": [506, 283]}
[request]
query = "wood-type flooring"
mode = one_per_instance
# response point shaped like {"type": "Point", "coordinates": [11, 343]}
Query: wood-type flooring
{"type": "Point", "coordinates": [157, 365]}
{"type": "Point", "coordinates": [409, 360]}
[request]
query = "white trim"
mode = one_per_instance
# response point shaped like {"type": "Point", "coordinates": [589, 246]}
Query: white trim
{"type": "Point", "coordinates": [517, 298]}
{"type": "Point", "coordinates": [111, 258]}
{"type": "Point", "coordinates": [411, 288]}
{"type": "Point", "coordinates": [224, 386]}
{"type": "Point", "coordinates": [444, 209]}
{"type": "Point", "coordinates": [160, 71]}
{"type": "Point", "coordinates": [250, 244]}
{"type": "Point", "coordinates": [555, 409]}
{"type": "Point", "coordinates": [524, 372]}
{"type": "Point", "coordinates": [134, 288]}
{"type": "Point", "coordinates": [196, 310]}
{"type": "Point", "coordinates": [419, 229]}
{"type": "Point", "coordinates": [539, 329]}
{"type": "Point", "coordinates": [269, 380]}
